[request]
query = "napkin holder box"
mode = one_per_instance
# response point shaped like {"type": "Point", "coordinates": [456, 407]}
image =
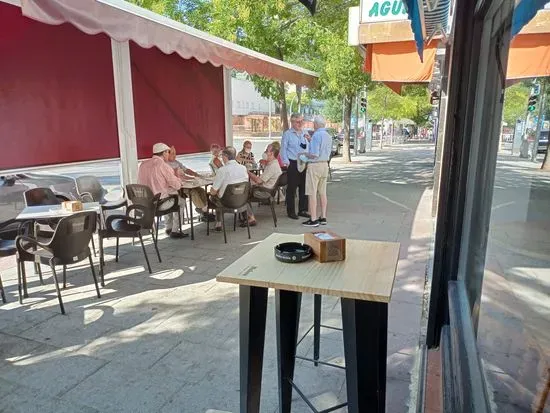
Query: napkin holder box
{"type": "Point", "coordinates": [72, 206]}
{"type": "Point", "coordinates": [327, 246]}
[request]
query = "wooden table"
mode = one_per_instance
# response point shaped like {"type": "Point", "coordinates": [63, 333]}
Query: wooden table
{"type": "Point", "coordinates": [364, 281]}
{"type": "Point", "coordinates": [196, 182]}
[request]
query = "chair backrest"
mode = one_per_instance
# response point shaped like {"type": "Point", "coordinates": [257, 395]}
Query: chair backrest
{"type": "Point", "coordinates": [41, 196]}
{"type": "Point", "coordinates": [72, 236]}
{"type": "Point", "coordinates": [91, 185]}
{"type": "Point", "coordinates": [235, 196]}
{"type": "Point", "coordinates": [283, 180]}
{"type": "Point", "coordinates": [140, 195]}
{"type": "Point", "coordinates": [143, 196]}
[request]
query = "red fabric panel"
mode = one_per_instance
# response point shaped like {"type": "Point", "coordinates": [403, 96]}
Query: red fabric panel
{"type": "Point", "coordinates": [56, 93]}
{"type": "Point", "coordinates": [176, 101]}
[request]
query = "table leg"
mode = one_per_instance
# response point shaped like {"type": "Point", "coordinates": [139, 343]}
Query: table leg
{"type": "Point", "coordinates": [252, 318]}
{"type": "Point", "coordinates": [365, 326]}
{"type": "Point", "coordinates": [288, 318]}
{"type": "Point", "coordinates": [316, 327]}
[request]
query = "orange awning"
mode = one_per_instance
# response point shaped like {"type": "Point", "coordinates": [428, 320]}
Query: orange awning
{"type": "Point", "coordinates": [398, 62]}
{"type": "Point", "coordinates": [529, 56]}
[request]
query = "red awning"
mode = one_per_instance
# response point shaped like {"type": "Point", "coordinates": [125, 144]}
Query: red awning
{"type": "Point", "coordinates": [123, 21]}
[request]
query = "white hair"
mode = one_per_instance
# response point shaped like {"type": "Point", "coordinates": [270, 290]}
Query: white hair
{"type": "Point", "coordinates": [319, 121]}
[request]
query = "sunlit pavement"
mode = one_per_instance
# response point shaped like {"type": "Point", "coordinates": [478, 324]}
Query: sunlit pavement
{"type": "Point", "coordinates": [514, 326]}
{"type": "Point", "coordinates": [168, 342]}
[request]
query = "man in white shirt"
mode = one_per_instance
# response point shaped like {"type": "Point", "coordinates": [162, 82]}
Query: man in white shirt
{"type": "Point", "coordinates": [230, 173]}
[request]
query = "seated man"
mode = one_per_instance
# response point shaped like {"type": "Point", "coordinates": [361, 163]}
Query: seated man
{"type": "Point", "coordinates": [198, 195]}
{"type": "Point", "coordinates": [267, 181]}
{"type": "Point", "coordinates": [230, 173]}
{"type": "Point", "coordinates": [159, 176]}
{"type": "Point", "coordinates": [216, 159]}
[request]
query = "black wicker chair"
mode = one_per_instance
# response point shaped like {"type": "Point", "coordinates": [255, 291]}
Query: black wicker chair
{"type": "Point", "coordinates": [8, 232]}
{"type": "Point", "coordinates": [143, 195]}
{"type": "Point", "coordinates": [69, 245]}
{"type": "Point", "coordinates": [125, 226]}
{"type": "Point", "coordinates": [268, 197]}
{"type": "Point", "coordinates": [90, 190]}
{"type": "Point", "coordinates": [234, 200]}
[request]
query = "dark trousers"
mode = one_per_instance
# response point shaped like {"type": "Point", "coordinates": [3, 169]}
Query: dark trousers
{"type": "Point", "coordinates": [295, 180]}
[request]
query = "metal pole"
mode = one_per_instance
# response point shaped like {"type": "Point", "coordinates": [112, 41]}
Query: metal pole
{"type": "Point", "coordinates": [343, 111]}
{"type": "Point", "coordinates": [269, 119]}
{"type": "Point", "coordinates": [365, 121]}
{"type": "Point", "coordinates": [539, 123]}
{"type": "Point", "coordinates": [356, 140]}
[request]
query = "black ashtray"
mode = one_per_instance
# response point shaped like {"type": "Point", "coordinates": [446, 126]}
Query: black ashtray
{"type": "Point", "coordinates": [293, 252]}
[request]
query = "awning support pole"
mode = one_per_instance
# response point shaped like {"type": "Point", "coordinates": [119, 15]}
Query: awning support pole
{"type": "Point", "coordinates": [228, 106]}
{"type": "Point", "coordinates": [124, 99]}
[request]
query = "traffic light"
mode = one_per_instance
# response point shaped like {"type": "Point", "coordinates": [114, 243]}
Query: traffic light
{"type": "Point", "coordinates": [363, 106]}
{"type": "Point", "coordinates": [532, 103]}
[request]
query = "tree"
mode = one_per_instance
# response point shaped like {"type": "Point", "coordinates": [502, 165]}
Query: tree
{"type": "Point", "coordinates": [340, 76]}
{"type": "Point", "coordinates": [332, 110]}
{"type": "Point", "coordinates": [416, 104]}
{"type": "Point", "coordinates": [384, 103]}
{"type": "Point", "coordinates": [515, 103]}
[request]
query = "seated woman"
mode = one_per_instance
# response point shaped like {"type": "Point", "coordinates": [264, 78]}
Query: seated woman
{"type": "Point", "coordinates": [246, 157]}
{"type": "Point", "coordinates": [261, 185]}
{"type": "Point", "coordinates": [216, 159]}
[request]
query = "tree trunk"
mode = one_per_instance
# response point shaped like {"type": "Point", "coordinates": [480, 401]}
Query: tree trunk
{"type": "Point", "coordinates": [546, 163]}
{"type": "Point", "coordinates": [299, 98]}
{"type": "Point", "coordinates": [347, 120]}
{"type": "Point", "coordinates": [282, 102]}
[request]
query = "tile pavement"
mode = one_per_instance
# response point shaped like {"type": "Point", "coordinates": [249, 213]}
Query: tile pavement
{"type": "Point", "coordinates": [168, 342]}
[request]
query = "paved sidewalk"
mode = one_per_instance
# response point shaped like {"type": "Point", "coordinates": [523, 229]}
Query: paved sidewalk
{"type": "Point", "coordinates": [168, 342]}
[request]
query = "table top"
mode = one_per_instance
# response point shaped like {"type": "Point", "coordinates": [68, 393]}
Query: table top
{"type": "Point", "coordinates": [367, 273]}
{"type": "Point", "coordinates": [197, 182]}
{"type": "Point", "coordinates": [53, 211]}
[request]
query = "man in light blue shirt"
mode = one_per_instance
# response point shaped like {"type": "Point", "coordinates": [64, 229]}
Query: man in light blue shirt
{"type": "Point", "coordinates": [318, 156]}
{"type": "Point", "coordinates": [293, 143]}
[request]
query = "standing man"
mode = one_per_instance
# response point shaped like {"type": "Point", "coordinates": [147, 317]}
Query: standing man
{"type": "Point", "coordinates": [317, 172]}
{"type": "Point", "coordinates": [293, 143]}
{"type": "Point", "coordinates": [160, 177]}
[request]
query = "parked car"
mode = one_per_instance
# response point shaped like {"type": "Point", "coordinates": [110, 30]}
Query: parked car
{"type": "Point", "coordinates": [340, 138]}
{"type": "Point", "coordinates": [543, 142]}
{"type": "Point", "coordinates": [12, 188]}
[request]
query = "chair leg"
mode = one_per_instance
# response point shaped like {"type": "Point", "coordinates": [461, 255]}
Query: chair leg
{"type": "Point", "coordinates": [145, 253]}
{"type": "Point", "coordinates": [223, 227]}
{"type": "Point", "coordinates": [247, 224]}
{"type": "Point", "coordinates": [207, 222]}
{"type": "Point", "coordinates": [155, 244]}
{"type": "Point", "coordinates": [93, 245]}
{"type": "Point", "coordinates": [116, 250]}
{"type": "Point", "coordinates": [93, 275]}
{"type": "Point", "coordinates": [157, 230]}
{"type": "Point", "coordinates": [2, 293]}
{"type": "Point", "coordinates": [273, 212]}
{"type": "Point", "coordinates": [24, 279]}
{"type": "Point", "coordinates": [19, 281]}
{"type": "Point", "coordinates": [38, 269]}
{"type": "Point", "coordinates": [64, 276]}
{"type": "Point", "coordinates": [234, 221]}
{"type": "Point", "coordinates": [57, 288]}
{"type": "Point", "coordinates": [179, 218]}
{"type": "Point", "coordinates": [101, 262]}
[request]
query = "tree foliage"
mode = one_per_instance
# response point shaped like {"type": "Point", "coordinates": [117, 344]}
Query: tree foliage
{"type": "Point", "coordinates": [515, 103]}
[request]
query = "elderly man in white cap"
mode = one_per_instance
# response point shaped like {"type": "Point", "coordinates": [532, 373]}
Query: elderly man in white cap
{"type": "Point", "coordinates": [160, 177]}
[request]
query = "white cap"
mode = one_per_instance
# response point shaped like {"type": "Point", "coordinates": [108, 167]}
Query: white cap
{"type": "Point", "coordinates": [160, 147]}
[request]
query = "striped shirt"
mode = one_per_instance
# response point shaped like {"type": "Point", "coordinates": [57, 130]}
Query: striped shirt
{"type": "Point", "coordinates": [159, 176]}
